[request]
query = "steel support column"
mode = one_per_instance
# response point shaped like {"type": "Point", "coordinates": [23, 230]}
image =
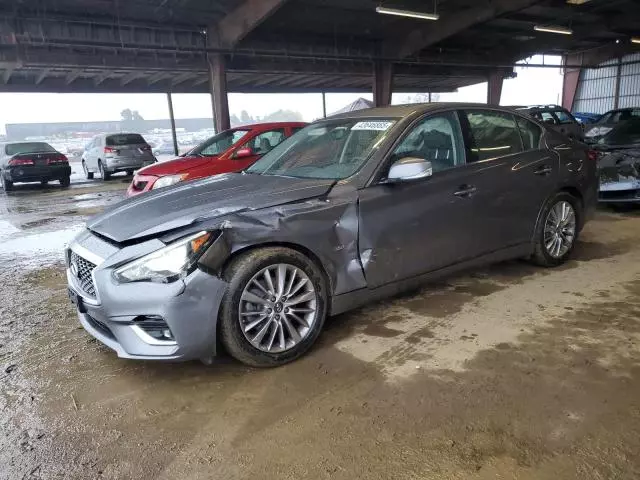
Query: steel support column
{"type": "Point", "coordinates": [616, 102]}
{"type": "Point", "coordinates": [570, 80]}
{"type": "Point", "coordinates": [218, 87]}
{"type": "Point", "coordinates": [172, 118]}
{"type": "Point", "coordinates": [382, 83]}
{"type": "Point", "coordinates": [324, 105]}
{"type": "Point", "coordinates": [494, 88]}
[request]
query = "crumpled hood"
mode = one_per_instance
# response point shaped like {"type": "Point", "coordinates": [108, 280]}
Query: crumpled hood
{"type": "Point", "coordinates": [177, 165]}
{"type": "Point", "coordinates": [191, 202]}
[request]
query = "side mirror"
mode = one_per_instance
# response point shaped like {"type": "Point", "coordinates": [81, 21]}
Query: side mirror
{"type": "Point", "coordinates": [244, 153]}
{"type": "Point", "coordinates": [409, 168]}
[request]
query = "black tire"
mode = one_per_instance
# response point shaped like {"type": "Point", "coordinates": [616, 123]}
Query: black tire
{"type": "Point", "coordinates": [44, 182]}
{"type": "Point", "coordinates": [129, 173]}
{"type": "Point", "coordinates": [87, 173]}
{"type": "Point", "coordinates": [238, 273]}
{"type": "Point", "coordinates": [540, 254]}
{"type": "Point", "coordinates": [103, 173]}
{"type": "Point", "coordinates": [65, 181]}
{"type": "Point", "coordinates": [7, 185]}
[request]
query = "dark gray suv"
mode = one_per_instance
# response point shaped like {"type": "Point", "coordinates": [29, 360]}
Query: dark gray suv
{"type": "Point", "coordinates": [350, 209]}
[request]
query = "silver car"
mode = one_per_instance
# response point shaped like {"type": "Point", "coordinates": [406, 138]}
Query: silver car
{"type": "Point", "coordinates": [348, 210]}
{"type": "Point", "coordinates": [117, 152]}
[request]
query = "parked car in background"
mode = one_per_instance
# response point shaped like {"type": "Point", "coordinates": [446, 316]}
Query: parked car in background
{"type": "Point", "coordinates": [619, 164]}
{"type": "Point", "coordinates": [32, 162]}
{"type": "Point", "coordinates": [116, 152]}
{"type": "Point", "coordinates": [587, 118]}
{"type": "Point", "coordinates": [608, 121]}
{"type": "Point", "coordinates": [350, 209]}
{"type": "Point", "coordinates": [556, 118]}
{"type": "Point", "coordinates": [230, 151]}
{"type": "Point", "coordinates": [164, 148]}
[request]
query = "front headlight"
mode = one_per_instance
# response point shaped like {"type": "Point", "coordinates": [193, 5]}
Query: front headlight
{"type": "Point", "coordinates": [594, 132]}
{"type": "Point", "coordinates": [168, 180]}
{"type": "Point", "coordinates": [167, 264]}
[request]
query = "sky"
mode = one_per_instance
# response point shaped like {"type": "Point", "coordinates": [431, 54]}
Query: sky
{"type": "Point", "coordinates": [532, 86]}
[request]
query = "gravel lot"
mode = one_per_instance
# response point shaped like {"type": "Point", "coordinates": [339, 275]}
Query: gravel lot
{"type": "Point", "coordinates": [505, 372]}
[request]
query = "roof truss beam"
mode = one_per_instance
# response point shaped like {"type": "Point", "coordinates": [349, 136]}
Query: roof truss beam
{"type": "Point", "coordinates": [449, 25]}
{"type": "Point", "coordinates": [229, 31]}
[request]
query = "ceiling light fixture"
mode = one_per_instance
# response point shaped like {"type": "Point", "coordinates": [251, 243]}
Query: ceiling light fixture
{"type": "Point", "coordinates": [407, 13]}
{"type": "Point", "coordinates": [553, 29]}
{"type": "Point", "coordinates": [635, 39]}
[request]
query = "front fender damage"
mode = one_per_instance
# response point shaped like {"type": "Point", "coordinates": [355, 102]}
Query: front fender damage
{"type": "Point", "coordinates": [326, 227]}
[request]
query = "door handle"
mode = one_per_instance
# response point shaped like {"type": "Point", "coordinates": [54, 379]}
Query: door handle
{"type": "Point", "coordinates": [543, 170]}
{"type": "Point", "coordinates": [465, 191]}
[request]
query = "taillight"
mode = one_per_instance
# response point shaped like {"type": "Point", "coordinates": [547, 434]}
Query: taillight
{"type": "Point", "coordinates": [593, 155]}
{"type": "Point", "coordinates": [57, 159]}
{"type": "Point", "coordinates": [20, 161]}
{"type": "Point", "coordinates": [110, 150]}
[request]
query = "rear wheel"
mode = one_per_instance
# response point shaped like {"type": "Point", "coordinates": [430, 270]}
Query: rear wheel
{"type": "Point", "coordinates": [103, 173]}
{"type": "Point", "coordinates": [88, 175]}
{"type": "Point", "coordinates": [44, 182]}
{"type": "Point", "coordinates": [557, 230]}
{"type": "Point", "coordinates": [65, 181]}
{"type": "Point", "coordinates": [7, 185]}
{"type": "Point", "coordinates": [129, 173]}
{"type": "Point", "coordinates": [274, 308]}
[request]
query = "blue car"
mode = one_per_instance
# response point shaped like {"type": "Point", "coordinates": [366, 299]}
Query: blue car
{"type": "Point", "coordinates": [587, 118]}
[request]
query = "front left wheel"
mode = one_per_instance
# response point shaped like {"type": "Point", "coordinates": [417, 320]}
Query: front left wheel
{"type": "Point", "coordinates": [274, 308]}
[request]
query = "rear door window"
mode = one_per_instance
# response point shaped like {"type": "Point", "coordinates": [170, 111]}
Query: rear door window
{"type": "Point", "coordinates": [493, 134]}
{"type": "Point", "coordinates": [530, 133]}
{"type": "Point", "coordinates": [124, 139]}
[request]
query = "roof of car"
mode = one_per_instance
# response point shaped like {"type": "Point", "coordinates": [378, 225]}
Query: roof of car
{"type": "Point", "coordinates": [400, 111]}
{"type": "Point", "coordinates": [265, 126]}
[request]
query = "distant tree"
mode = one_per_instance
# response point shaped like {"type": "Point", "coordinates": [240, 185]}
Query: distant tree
{"type": "Point", "coordinates": [245, 117]}
{"type": "Point", "coordinates": [131, 120]}
{"type": "Point", "coordinates": [283, 116]}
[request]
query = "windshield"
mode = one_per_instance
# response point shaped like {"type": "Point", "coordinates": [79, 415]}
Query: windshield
{"type": "Point", "coordinates": [618, 116]}
{"type": "Point", "coordinates": [626, 134]}
{"type": "Point", "coordinates": [30, 147]}
{"type": "Point", "coordinates": [335, 149]}
{"type": "Point", "coordinates": [218, 144]}
{"type": "Point", "coordinates": [124, 139]}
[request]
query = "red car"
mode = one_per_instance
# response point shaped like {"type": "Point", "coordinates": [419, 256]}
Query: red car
{"type": "Point", "coordinates": [230, 151]}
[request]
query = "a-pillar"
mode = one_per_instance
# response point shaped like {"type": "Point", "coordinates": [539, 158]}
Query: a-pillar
{"type": "Point", "coordinates": [218, 88]}
{"type": "Point", "coordinates": [382, 83]}
{"type": "Point", "coordinates": [494, 89]}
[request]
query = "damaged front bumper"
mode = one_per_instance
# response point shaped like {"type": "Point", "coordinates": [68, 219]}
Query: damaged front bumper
{"type": "Point", "coordinates": [146, 321]}
{"type": "Point", "coordinates": [619, 177]}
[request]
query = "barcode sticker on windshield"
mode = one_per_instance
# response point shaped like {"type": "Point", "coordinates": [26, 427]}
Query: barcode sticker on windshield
{"type": "Point", "coordinates": [381, 126]}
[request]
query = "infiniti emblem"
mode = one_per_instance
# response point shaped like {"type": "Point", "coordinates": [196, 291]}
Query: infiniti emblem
{"type": "Point", "coordinates": [74, 269]}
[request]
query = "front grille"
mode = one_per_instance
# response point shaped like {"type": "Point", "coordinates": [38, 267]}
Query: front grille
{"type": "Point", "coordinates": [83, 274]}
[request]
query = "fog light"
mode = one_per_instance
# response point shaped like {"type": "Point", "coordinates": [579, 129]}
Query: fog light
{"type": "Point", "coordinates": [155, 327]}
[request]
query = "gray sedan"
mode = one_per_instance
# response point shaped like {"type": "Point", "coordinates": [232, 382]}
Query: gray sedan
{"type": "Point", "coordinates": [350, 209]}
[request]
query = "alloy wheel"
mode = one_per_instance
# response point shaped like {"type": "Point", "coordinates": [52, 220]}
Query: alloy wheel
{"type": "Point", "coordinates": [560, 229]}
{"type": "Point", "coordinates": [278, 308]}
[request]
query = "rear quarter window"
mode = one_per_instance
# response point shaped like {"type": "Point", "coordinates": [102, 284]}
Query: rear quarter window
{"type": "Point", "coordinates": [124, 139]}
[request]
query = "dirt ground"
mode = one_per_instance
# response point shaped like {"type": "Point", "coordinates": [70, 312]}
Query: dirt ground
{"type": "Point", "coordinates": [506, 372]}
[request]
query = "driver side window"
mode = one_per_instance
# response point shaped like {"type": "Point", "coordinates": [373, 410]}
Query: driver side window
{"type": "Point", "coordinates": [436, 139]}
{"type": "Point", "coordinates": [265, 142]}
